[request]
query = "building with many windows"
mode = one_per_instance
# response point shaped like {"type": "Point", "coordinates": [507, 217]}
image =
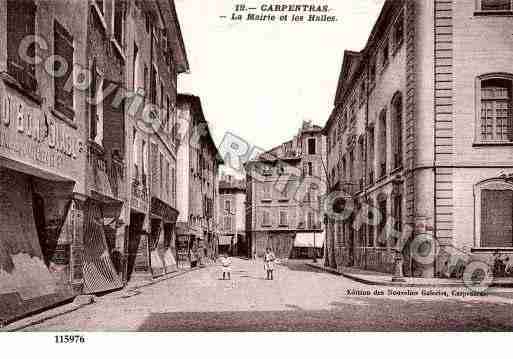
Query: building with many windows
{"type": "Point", "coordinates": [232, 216]}
{"type": "Point", "coordinates": [69, 126]}
{"type": "Point", "coordinates": [419, 139]}
{"type": "Point", "coordinates": [284, 189]}
{"type": "Point", "coordinates": [198, 164]}
{"type": "Point", "coordinates": [155, 56]}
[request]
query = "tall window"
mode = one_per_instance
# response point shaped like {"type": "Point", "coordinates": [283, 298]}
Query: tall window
{"type": "Point", "coordinates": [399, 31]}
{"type": "Point", "coordinates": [96, 106]}
{"type": "Point", "coordinates": [135, 75]}
{"type": "Point", "coordinates": [496, 114]}
{"type": "Point", "coordinates": [384, 53]}
{"type": "Point", "coordinates": [397, 128]}
{"type": "Point", "coordinates": [370, 155]}
{"type": "Point", "coordinates": [63, 47]}
{"type": "Point", "coordinates": [227, 223]}
{"type": "Point", "coordinates": [161, 172]}
{"type": "Point", "coordinates": [496, 5]}
{"type": "Point", "coordinates": [227, 206]}
{"type": "Point", "coordinates": [311, 146]}
{"type": "Point", "coordinates": [351, 166]}
{"type": "Point", "coordinates": [382, 143]}
{"type": "Point", "coordinates": [135, 153]}
{"type": "Point", "coordinates": [344, 169]}
{"type": "Point", "coordinates": [144, 154]}
{"type": "Point", "coordinates": [21, 22]}
{"type": "Point", "coordinates": [284, 218]}
{"type": "Point", "coordinates": [167, 178]}
{"type": "Point", "coordinates": [382, 206]}
{"type": "Point", "coordinates": [310, 168]}
{"type": "Point", "coordinates": [153, 85]}
{"type": "Point", "coordinates": [118, 21]}
{"type": "Point", "coordinates": [310, 220]}
{"type": "Point", "coordinates": [266, 219]}
{"type": "Point", "coordinates": [267, 190]}
{"type": "Point", "coordinates": [372, 71]}
{"type": "Point", "coordinates": [398, 213]}
{"type": "Point", "coordinates": [496, 218]}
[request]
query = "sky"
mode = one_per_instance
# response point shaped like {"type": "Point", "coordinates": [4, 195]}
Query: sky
{"type": "Point", "coordinates": [260, 80]}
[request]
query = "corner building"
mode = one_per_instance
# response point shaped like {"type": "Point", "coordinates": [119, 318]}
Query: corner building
{"type": "Point", "coordinates": [284, 190]}
{"type": "Point", "coordinates": [421, 130]}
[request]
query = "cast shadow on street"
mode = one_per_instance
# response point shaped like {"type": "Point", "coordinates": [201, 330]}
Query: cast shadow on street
{"type": "Point", "coordinates": [299, 265]}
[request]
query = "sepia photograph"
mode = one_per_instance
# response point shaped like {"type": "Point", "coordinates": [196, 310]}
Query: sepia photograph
{"type": "Point", "coordinates": [255, 166]}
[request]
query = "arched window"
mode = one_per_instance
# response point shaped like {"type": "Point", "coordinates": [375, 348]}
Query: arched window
{"type": "Point", "coordinates": [397, 130]}
{"type": "Point", "coordinates": [494, 108]}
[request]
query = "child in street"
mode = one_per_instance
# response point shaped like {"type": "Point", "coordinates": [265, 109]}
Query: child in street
{"type": "Point", "coordinates": [226, 264]}
{"type": "Point", "coordinates": [269, 259]}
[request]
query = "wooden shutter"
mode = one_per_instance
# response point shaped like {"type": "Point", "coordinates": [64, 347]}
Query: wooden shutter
{"type": "Point", "coordinates": [21, 17]}
{"type": "Point", "coordinates": [496, 218]}
{"type": "Point", "coordinates": [63, 46]}
{"type": "Point", "coordinates": [92, 108]}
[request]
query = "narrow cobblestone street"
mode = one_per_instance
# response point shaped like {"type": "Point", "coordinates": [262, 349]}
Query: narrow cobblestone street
{"type": "Point", "coordinates": [300, 298]}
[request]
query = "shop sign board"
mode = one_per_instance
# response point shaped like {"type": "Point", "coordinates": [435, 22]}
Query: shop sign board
{"type": "Point", "coordinates": [35, 137]}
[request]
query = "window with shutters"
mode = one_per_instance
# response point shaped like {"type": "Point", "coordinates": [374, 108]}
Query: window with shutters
{"type": "Point", "coordinates": [119, 21]}
{"type": "Point", "coordinates": [153, 85]}
{"type": "Point", "coordinates": [63, 70]}
{"type": "Point", "coordinates": [135, 154]}
{"type": "Point", "coordinates": [21, 22]}
{"type": "Point", "coordinates": [496, 217]}
{"type": "Point", "coordinates": [144, 161]}
{"type": "Point", "coordinates": [494, 109]}
{"type": "Point", "coordinates": [96, 105]}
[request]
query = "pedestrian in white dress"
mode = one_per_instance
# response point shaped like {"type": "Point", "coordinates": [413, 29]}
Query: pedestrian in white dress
{"type": "Point", "coordinates": [269, 259]}
{"type": "Point", "coordinates": [226, 264]}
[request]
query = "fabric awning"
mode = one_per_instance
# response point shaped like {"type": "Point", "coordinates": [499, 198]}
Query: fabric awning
{"type": "Point", "coordinates": [225, 240]}
{"type": "Point", "coordinates": [307, 239]}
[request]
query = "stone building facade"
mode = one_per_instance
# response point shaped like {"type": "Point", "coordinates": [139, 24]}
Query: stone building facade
{"type": "Point", "coordinates": [197, 181]}
{"type": "Point", "coordinates": [420, 137]}
{"type": "Point", "coordinates": [155, 56]}
{"type": "Point", "coordinates": [284, 192]}
{"type": "Point", "coordinates": [65, 145]}
{"type": "Point", "coordinates": [232, 216]}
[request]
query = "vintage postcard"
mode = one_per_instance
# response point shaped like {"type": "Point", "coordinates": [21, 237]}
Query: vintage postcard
{"type": "Point", "coordinates": [255, 166]}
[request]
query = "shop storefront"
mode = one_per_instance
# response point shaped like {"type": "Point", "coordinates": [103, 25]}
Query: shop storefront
{"type": "Point", "coordinates": [39, 168]}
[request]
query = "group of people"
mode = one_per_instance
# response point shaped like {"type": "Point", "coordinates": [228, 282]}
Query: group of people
{"type": "Point", "coordinates": [269, 259]}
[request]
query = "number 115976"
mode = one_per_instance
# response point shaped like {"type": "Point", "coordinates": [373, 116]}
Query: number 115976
{"type": "Point", "coordinates": [69, 339]}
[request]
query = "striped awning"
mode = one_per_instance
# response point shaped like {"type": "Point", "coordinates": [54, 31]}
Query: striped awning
{"type": "Point", "coordinates": [99, 272]}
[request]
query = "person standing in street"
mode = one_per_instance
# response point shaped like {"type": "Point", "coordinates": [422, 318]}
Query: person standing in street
{"type": "Point", "coordinates": [269, 259]}
{"type": "Point", "coordinates": [226, 264]}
